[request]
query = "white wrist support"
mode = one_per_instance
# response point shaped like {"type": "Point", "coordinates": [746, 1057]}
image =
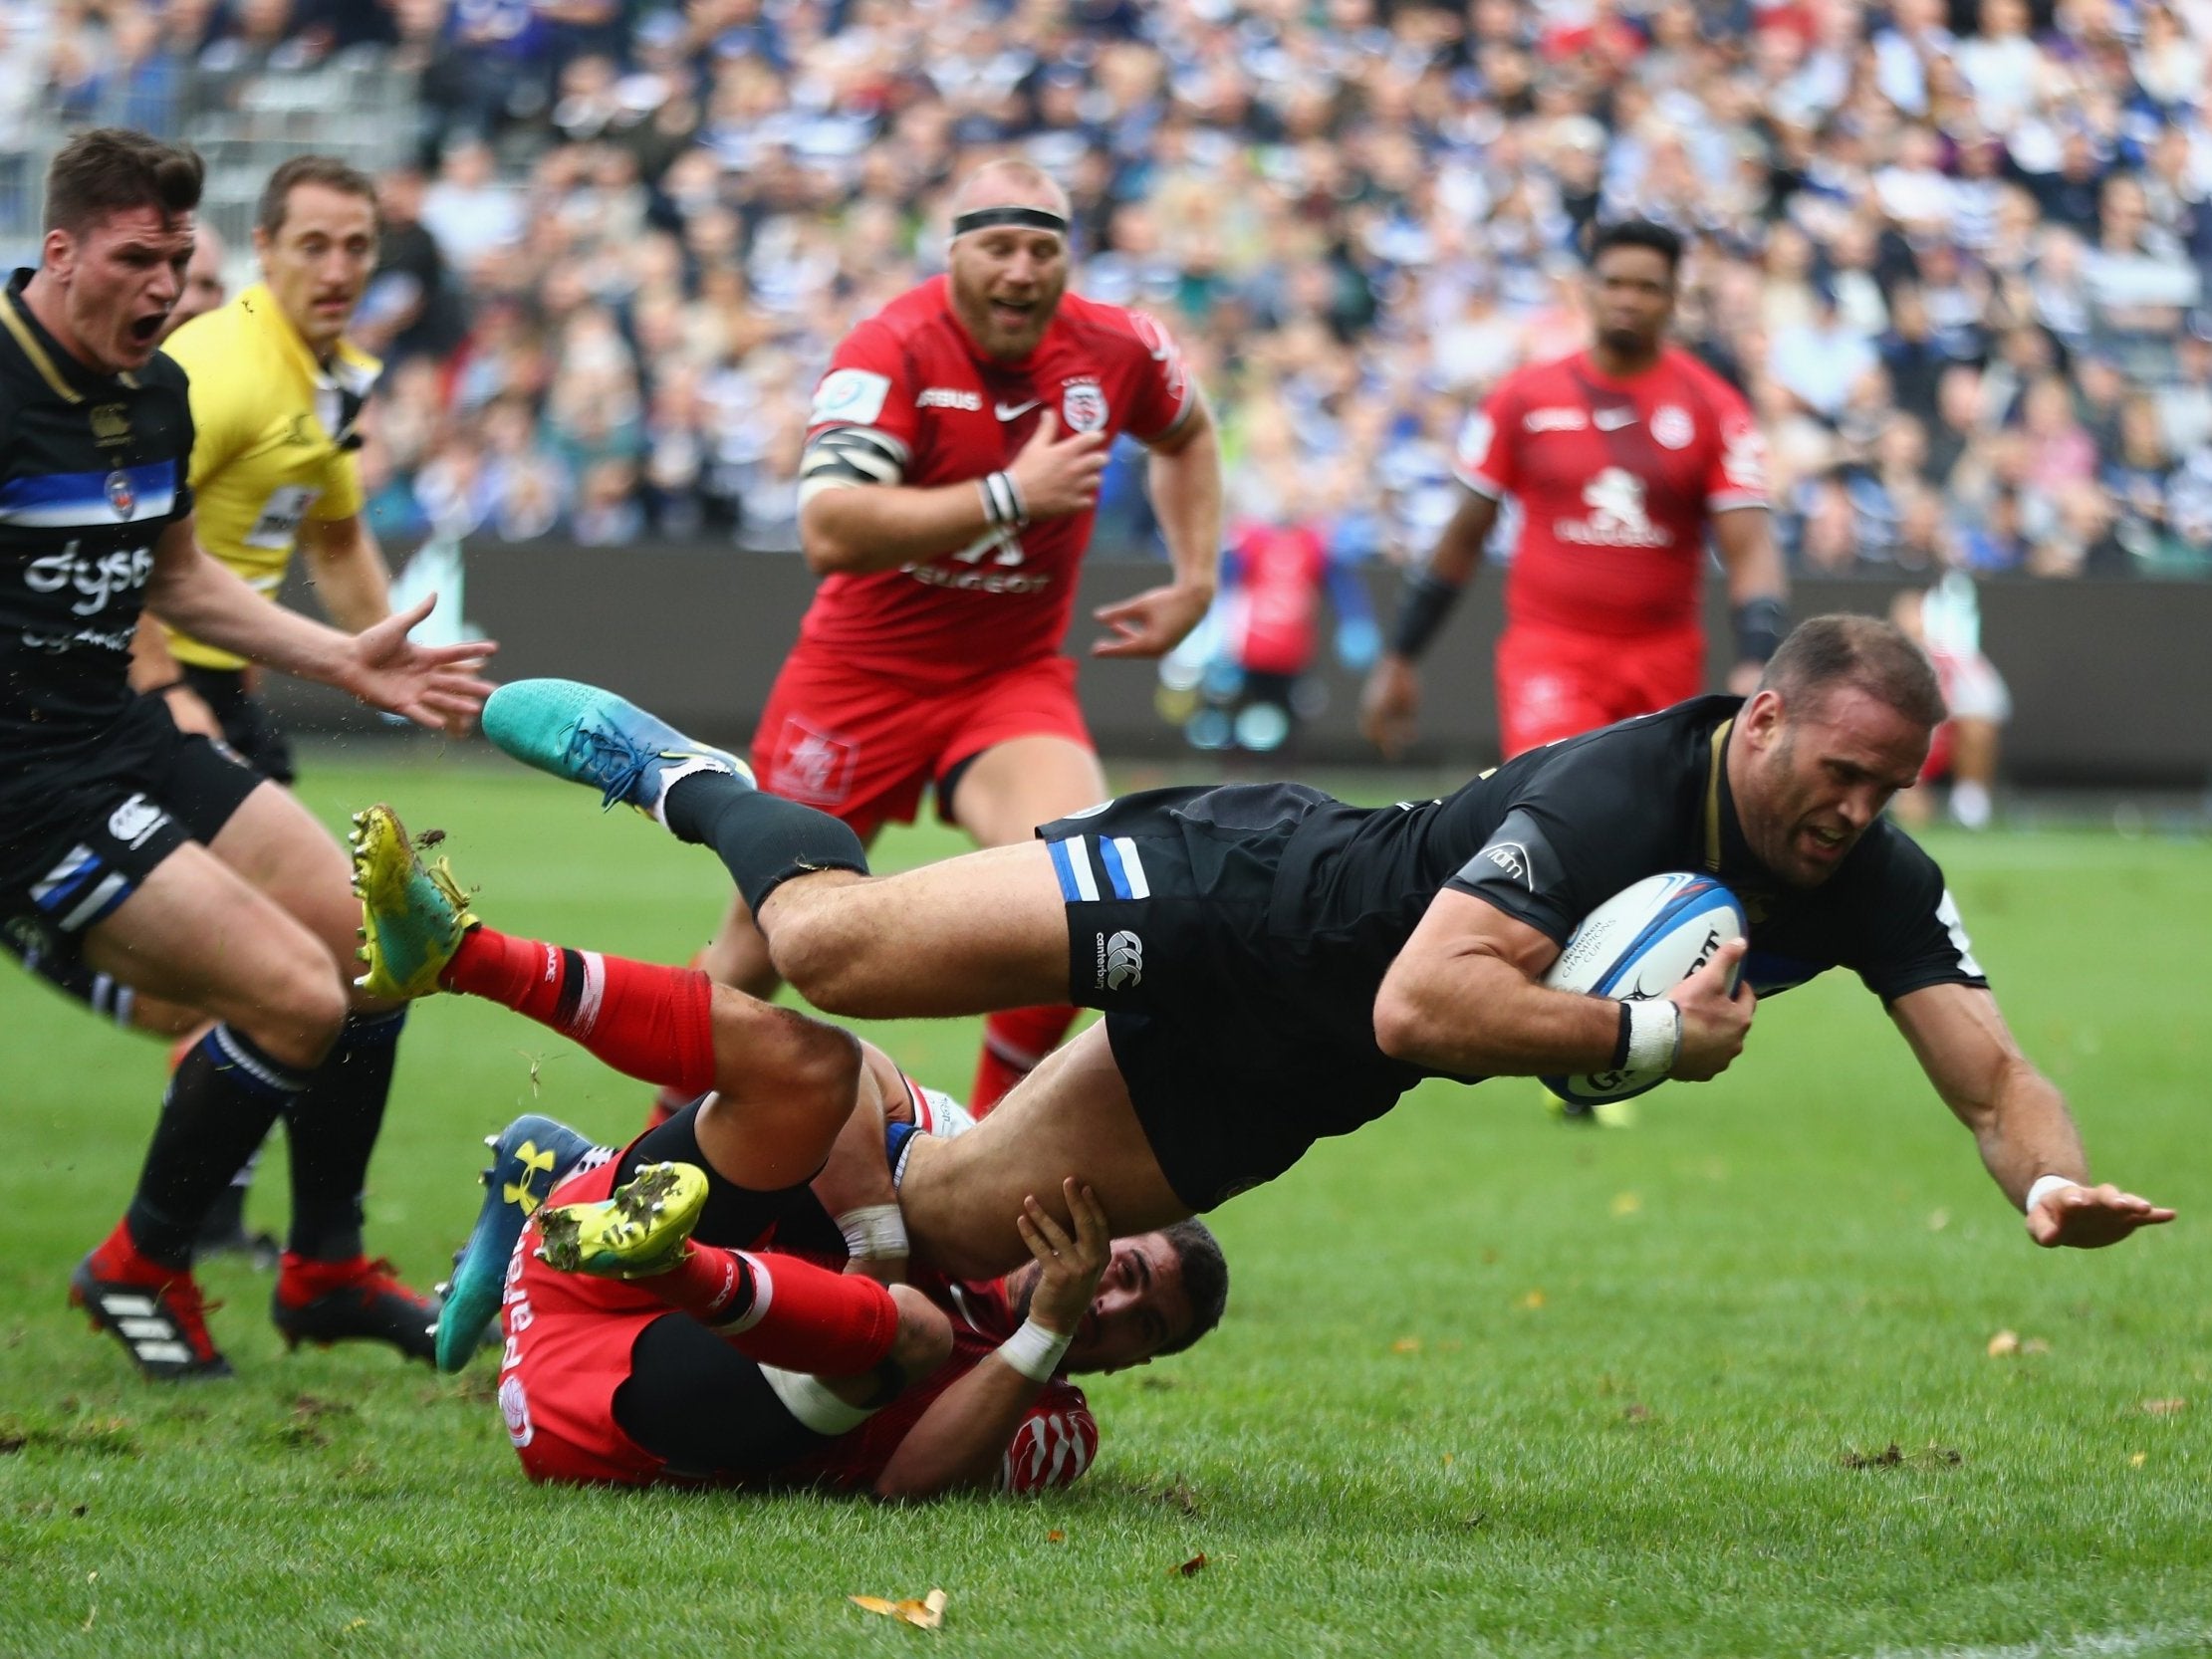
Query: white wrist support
{"type": "Point", "coordinates": [2044, 1187]}
{"type": "Point", "coordinates": [1654, 1034]}
{"type": "Point", "coordinates": [1034, 1351]}
{"type": "Point", "coordinates": [874, 1231]}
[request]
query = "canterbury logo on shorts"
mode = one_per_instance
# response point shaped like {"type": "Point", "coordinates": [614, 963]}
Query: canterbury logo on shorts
{"type": "Point", "coordinates": [1092, 867]}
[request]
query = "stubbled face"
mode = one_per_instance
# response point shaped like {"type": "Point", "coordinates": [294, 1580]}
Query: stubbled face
{"type": "Point", "coordinates": [118, 279]}
{"type": "Point", "coordinates": [1138, 1309]}
{"type": "Point", "coordinates": [318, 262]}
{"type": "Point", "coordinates": [1817, 779]}
{"type": "Point", "coordinates": [1631, 299]}
{"type": "Point", "coordinates": [1006, 284]}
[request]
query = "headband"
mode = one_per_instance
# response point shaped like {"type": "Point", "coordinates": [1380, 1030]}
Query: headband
{"type": "Point", "coordinates": [1028, 219]}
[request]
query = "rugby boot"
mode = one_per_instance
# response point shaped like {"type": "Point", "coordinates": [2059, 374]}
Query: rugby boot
{"type": "Point", "coordinates": [593, 737]}
{"type": "Point", "coordinates": [530, 1157]}
{"type": "Point", "coordinates": [356, 1299]}
{"type": "Point", "coordinates": [412, 916]}
{"type": "Point", "coordinates": [155, 1312]}
{"type": "Point", "coordinates": [644, 1229]}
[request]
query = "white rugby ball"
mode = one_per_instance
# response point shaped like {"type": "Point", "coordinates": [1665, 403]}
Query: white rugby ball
{"type": "Point", "coordinates": [1641, 943]}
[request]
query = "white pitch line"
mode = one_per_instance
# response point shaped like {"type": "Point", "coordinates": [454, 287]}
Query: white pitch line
{"type": "Point", "coordinates": [2109, 1644]}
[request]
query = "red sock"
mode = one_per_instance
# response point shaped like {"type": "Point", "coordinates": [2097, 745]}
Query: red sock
{"type": "Point", "coordinates": [783, 1312]}
{"type": "Point", "coordinates": [1015, 1043]}
{"type": "Point", "coordinates": [652, 1021]}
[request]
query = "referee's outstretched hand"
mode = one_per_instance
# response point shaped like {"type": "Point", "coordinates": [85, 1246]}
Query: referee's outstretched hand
{"type": "Point", "coordinates": [1714, 1019]}
{"type": "Point", "coordinates": [432, 685]}
{"type": "Point", "coordinates": [1056, 474]}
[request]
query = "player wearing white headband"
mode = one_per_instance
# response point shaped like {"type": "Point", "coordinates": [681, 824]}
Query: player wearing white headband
{"type": "Point", "coordinates": [951, 474]}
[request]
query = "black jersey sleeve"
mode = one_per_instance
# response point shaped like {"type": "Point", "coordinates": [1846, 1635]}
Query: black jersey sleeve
{"type": "Point", "coordinates": [1908, 934]}
{"type": "Point", "coordinates": [1578, 828]}
{"type": "Point", "coordinates": [173, 379]}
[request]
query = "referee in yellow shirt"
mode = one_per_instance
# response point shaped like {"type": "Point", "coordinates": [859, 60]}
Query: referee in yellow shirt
{"type": "Point", "coordinates": [277, 392]}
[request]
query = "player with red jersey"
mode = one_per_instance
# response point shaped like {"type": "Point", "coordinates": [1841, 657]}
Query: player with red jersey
{"type": "Point", "coordinates": [1621, 458]}
{"type": "Point", "coordinates": [947, 495]}
{"type": "Point", "coordinates": [726, 1345]}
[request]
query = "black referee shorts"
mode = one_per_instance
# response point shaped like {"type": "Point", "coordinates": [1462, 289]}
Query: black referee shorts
{"type": "Point", "coordinates": [248, 726]}
{"type": "Point", "coordinates": [78, 833]}
{"type": "Point", "coordinates": [1168, 896]}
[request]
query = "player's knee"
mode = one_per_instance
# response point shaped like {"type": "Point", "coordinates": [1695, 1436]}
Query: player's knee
{"type": "Point", "coordinates": [298, 1015]}
{"type": "Point", "coordinates": [925, 1340]}
{"type": "Point", "coordinates": [824, 956]}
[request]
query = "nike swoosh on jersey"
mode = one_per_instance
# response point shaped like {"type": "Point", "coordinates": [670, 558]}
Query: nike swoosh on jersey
{"type": "Point", "coordinates": [1009, 411]}
{"type": "Point", "coordinates": [1611, 421]}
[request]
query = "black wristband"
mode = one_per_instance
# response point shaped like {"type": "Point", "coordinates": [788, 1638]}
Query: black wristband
{"type": "Point", "coordinates": [1620, 1043]}
{"type": "Point", "coordinates": [1428, 600]}
{"type": "Point", "coordinates": [1760, 624]}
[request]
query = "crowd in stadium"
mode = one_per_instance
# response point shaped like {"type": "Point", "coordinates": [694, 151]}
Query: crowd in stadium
{"type": "Point", "coordinates": [1953, 254]}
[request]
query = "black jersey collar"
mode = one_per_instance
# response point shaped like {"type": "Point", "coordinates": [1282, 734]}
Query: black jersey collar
{"type": "Point", "coordinates": [1722, 848]}
{"type": "Point", "coordinates": [68, 377]}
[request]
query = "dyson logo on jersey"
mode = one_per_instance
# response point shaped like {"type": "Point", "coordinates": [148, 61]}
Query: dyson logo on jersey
{"type": "Point", "coordinates": [97, 580]}
{"type": "Point", "coordinates": [1616, 514]}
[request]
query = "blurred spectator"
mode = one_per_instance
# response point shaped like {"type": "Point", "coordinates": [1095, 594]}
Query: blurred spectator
{"type": "Point", "coordinates": [646, 222]}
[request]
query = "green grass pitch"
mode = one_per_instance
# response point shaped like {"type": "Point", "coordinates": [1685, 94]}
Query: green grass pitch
{"type": "Point", "coordinates": [1488, 1385]}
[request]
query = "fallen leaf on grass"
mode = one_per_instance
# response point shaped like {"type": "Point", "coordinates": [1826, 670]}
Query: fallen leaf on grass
{"type": "Point", "coordinates": [1191, 1568]}
{"type": "Point", "coordinates": [928, 1613]}
{"type": "Point", "coordinates": [1406, 1344]}
{"type": "Point", "coordinates": [1939, 1220]}
{"type": "Point", "coordinates": [2004, 1344]}
{"type": "Point", "coordinates": [1535, 1299]}
{"type": "Point", "coordinates": [2164, 1408]}
{"type": "Point", "coordinates": [2139, 1459]}
{"type": "Point", "coordinates": [1055, 1536]}
{"type": "Point", "coordinates": [1627, 1204]}
{"type": "Point", "coordinates": [1176, 1493]}
{"type": "Point", "coordinates": [1930, 1456]}
{"type": "Point", "coordinates": [1635, 1412]}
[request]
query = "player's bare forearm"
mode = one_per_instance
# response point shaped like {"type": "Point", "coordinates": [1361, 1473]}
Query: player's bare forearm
{"type": "Point", "coordinates": [882, 527]}
{"type": "Point", "coordinates": [348, 571]}
{"type": "Point", "coordinates": [960, 1441]}
{"type": "Point", "coordinates": [195, 593]}
{"type": "Point", "coordinates": [1184, 477]}
{"type": "Point", "coordinates": [857, 1177]}
{"type": "Point", "coordinates": [152, 664]}
{"type": "Point", "coordinates": [2019, 1119]}
{"type": "Point", "coordinates": [1744, 537]}
{"type": "Point", "coordinates": [1458, 554]}
{"type": "Point", "coordinates": [1467, 1011]}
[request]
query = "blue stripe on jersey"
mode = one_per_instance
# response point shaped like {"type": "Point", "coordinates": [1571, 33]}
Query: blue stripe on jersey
{"type": "Point", "coordinates": [86, 499]}
{"type": "Point", "coordinates": [1066, 871]}
{"type": "Point", "coordinates": [1110, 856]}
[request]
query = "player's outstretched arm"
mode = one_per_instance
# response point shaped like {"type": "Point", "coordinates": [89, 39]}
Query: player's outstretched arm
{"type": "Point", "coordinates": [1184, 474]}
{"type": "Point", "coordinates": [431, 685]}
{"type": "Point", "coordinates": [348, 571]}
{"type": "Point", "coordinates": [963, 1438]}
{"type": "Point", "coordinates": [1392, 699]}
{"type": "Point", "coordinates": [2019, 1119]}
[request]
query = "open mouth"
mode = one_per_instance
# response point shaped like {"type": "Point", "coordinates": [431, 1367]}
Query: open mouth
{"type": "Point", "coordinates": [146, 329]}
{"type": "Point", "coordinates": [1013, 314]}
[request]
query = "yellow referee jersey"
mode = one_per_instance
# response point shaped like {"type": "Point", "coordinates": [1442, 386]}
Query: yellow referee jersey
{"type": "Point", "coordinates": [272, 444]}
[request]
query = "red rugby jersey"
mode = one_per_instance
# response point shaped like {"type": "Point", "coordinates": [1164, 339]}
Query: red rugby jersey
{"type": "Point", "coordinates": [911, 374]}
{"type": "Point", "coordinates": [1616, 480]}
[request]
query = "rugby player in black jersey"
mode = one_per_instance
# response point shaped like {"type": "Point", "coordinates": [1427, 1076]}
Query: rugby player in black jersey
{"type": "Point", "coordinates": [154, 855]}
{"type": "Point", "coordinates": [1276, 966]}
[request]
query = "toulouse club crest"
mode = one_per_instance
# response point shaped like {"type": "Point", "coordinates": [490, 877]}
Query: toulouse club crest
{"type": "Point", "coordinates": [1672, 426]}
{"type": "Point", "coordinates": [1082, 407]}
{"type": "Point", "coordinates": [121, 494]}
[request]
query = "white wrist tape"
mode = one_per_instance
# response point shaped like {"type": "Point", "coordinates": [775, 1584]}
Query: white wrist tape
{"type": "Point", "coordinates": [1654, 1034]}
{"type": "Point", "coordinates": [874, 1231]}
{"type": "Point", "coordinates": [2044, 1187]}
{"type": "Point", "coordinates": [1034, 1351]}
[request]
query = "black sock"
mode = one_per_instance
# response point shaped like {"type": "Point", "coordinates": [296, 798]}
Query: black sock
{"type": "Point", "coordinates": [220, 1104]}
{"type": "Point", "coordinates": [331, 1129]}
{"type": "Point", "coordinates": [734, 1217]}
{"type": "Point", "coordinates": [762, 838]}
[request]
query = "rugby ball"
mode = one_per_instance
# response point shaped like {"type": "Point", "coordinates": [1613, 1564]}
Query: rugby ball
{"type": "Point", "coordinates": [1641, 943]}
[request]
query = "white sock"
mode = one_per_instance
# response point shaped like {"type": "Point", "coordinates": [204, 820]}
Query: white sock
{"type": "Point", "coordinates": [675, 773]}
{"type": "Point", "coordinates": [1970, 805]}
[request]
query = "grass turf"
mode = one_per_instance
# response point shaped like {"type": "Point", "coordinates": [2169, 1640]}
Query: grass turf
{"type": "Point", "coordinates": [1488, 1385]}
